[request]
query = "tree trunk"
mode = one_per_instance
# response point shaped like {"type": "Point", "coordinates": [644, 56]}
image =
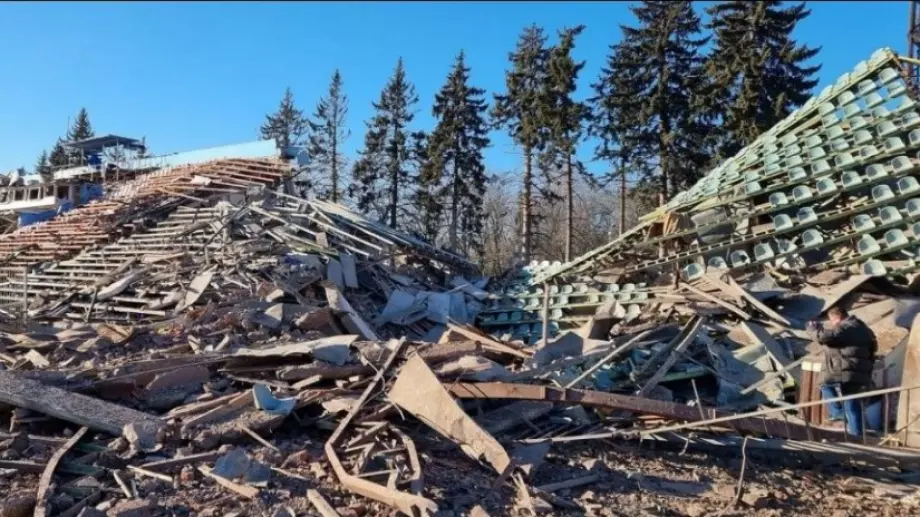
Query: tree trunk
{"type": "Point", "coordinates": [664, 155]}
{"type": "Point", "coordinates": [622, 196]}
{"type": "Point", "coordinates": [335, 166]}
{"type": "Point", "coordinates": [454, 208]}
{"type": "Point", "coordinates": [568, 208]}
{"type": "Point", "coordinates": [394, 181]}
{"type": "Point", "coordinates": [525, 210]}
{"type": "Point", "coordinates": [664, 116]}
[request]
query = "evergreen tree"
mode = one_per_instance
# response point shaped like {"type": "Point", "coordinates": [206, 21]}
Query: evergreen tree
{"type": "Point", "coordinates": [287, 126]}
{"type": "Point", "coordinates": [58, 156]}
{"type": "Point", "coordinates": [328, 133]}
{"type": "Point", "coordinates": [565, 118]}
{"type": "Point", "coordinates": [615, 119]}
{"type": "Point", "coordinates": [758, 71]}
{"type": "Point", "coordinates": [455, 172]}
{"type": "Point", "coordinates": [519, 111]}
{"type": "Point", "coordinates": [663, 55]}
{"type": "Point", "coordinates": [386, 173]}
{"type": "Point", "coordinates": [81, 128]}
{"type": "Point", "coordinates": [42, 166]}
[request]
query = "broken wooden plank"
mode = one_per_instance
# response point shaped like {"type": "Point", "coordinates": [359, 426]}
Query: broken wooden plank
{"type": "Point", "coordinates": [625, 347]}
{"type": "Point", "coordinates": [196, 374]}
{"type": "Point", "coordinates": [757, 304]}
{"type": "Point", "coordinates": [688, 337]}
{"type": "Point", "coordinates": [672, 410]}
{"type": "Point", "coordinates": [418, 391]}
{"type": "Point", "coordinates": [246, 491]}
{"type": "Point", "coordinates": [718, 301]}
{"type": "Point", "coordinates": [569, 483]}
{"type": "Point", "coordinates": [122, 484]}
{"type": "Point", "coordinates": [80, 409]}
{"type": "Point", "coordinates": [351, 319]}
{"type": "Point", "coordinates": [181, 461]}
{"type": "Point", "coordinates": [149, 473]}
{"type": "Point", "coordinates": [760, 335]}
{"type": "Point", "coordinates": [44, 483]}
{"type": "Point", "coordinates": [302, 348]}
{"type": "Point", "coordinates": [407, 503]}
{"type": "Point", "coordinates": [22, 466]}
{"type": "Point", "coordinates": [255, 436]}
{"type": "Point", "coordinates": [319, 502]}
{"type": "Point", "coordinates": [200, 407]}
{"type": "Point", "coordinates": [236, 404]}
{"type": "Point", "coordinates": [485, 340]}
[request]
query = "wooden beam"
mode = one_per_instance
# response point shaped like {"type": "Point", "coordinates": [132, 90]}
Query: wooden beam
{"type": "Point", "coordinates": [715, 300]}
{"type": "Point", "coordinates": [682, 345]}
{"type": "Point", "coordinates": [44, 484]}
{"type": "Point", "coordinates": [741, 422]}
{"type": "Point", "coordinates": [17, 390]}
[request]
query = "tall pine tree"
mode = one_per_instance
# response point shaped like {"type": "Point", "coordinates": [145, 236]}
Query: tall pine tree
{"type": "Point", "coordinates": [81, 128]}
{"type": "Point", "coordinates": [386, 173]}
{"type": "Point", "coordinates": [288, 125]}
{"type": "Point", "coordinates": [519, 111]}
{"type": "Point", "coordinates": [455, 172]}
{"type": "Point", "coordinates": [663, 55]}
{"type": "Point", "coordinates": [42, 167]}
{"type": "Point", "coordinates": [758, 72]}
{"type": "Point", "coordinates": [565, 118]}
{"type": "Point", "coordinates": [615, 120]}
{"type": "Point", "coordinates": [58, 156]}
{"type": "Point", "coordinates": [328, 132]}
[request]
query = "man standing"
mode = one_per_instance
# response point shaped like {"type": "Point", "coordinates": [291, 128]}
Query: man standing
{"type": "Point", "coordinates": [849, 356]}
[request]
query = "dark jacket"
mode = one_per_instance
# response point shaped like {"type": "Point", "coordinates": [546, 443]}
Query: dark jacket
{"type": "Point", "coordinates": [849, 352]}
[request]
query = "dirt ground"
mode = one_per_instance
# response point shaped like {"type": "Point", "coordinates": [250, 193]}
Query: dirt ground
{"type": "Point", "coordinates": [631, 481]}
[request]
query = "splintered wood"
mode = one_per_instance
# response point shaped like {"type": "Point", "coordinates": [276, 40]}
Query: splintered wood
{"type": "Point", "coordinates": [418, 391]}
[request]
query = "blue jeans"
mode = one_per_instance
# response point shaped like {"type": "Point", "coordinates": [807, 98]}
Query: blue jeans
{"type": "Point", "coordinates": [851, 410]}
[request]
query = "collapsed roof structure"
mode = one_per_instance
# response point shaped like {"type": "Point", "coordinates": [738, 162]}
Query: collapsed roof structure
{"type": "Point", "coordinates": [835, 184]}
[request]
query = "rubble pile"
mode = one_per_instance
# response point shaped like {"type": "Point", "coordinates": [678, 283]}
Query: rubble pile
{"type": "Point", "coordinates": [213, 346]}
{"type": "Point", "coordinates": [282, 399]}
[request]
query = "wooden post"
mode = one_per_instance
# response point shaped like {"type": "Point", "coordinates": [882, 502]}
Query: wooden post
{"type": "Point", "coordinates": [545, 313]}
{"type": "Point", "coordinates": [699, 403]}
{"type": "Point", "coordinates": [25, 295]}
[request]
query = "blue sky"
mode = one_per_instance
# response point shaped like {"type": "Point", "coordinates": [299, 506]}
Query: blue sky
{"type": "Point", "coordinates": [191, 75]}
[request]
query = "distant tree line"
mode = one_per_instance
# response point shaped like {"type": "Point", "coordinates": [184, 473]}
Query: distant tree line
{"type": "Point", "coordinates": [663, 109]}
